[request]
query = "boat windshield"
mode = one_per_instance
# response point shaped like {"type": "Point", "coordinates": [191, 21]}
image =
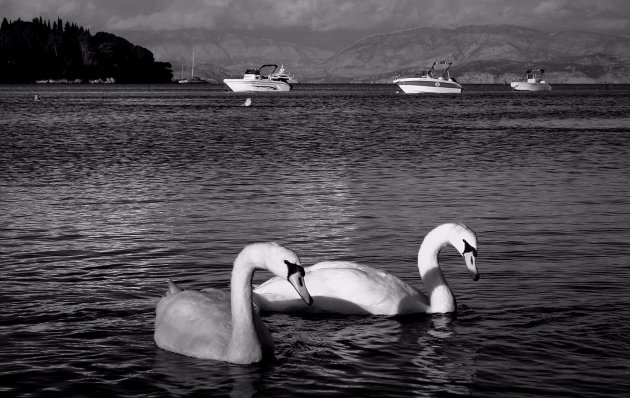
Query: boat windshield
{"type": "Point", "coordinates": [252, 72]}
{"type": "Point", "coordinates": [533, 73]}
{"type": "Point", "coordinates": [445, 74]}
{"type": "Point", "coordinates": [268, 66]}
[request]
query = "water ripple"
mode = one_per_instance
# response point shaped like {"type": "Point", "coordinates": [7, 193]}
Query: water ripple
{"type": "Point", "coordinates": [106, 194]}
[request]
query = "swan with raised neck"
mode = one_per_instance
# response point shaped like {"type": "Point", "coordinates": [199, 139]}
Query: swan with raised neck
{"type": "Point", "coordinates": [211, 324]}
{"type": "Point", "coordinates": [345, 287]}
{"type": "Point", "coordinates": [464, 240]}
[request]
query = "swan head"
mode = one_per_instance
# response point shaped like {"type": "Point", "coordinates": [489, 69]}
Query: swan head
{"type": "Point", "coordinates": [286, 264]}
{"type": "Point", "coordinates": [464, 240]}
{"type": "Point", "coordinates": [295, 276]}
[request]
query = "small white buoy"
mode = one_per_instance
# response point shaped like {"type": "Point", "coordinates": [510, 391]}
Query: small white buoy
{"type": "Point", "coordinates": [248, 102]}
{"type": "Point", "coordinates": [36, 98]}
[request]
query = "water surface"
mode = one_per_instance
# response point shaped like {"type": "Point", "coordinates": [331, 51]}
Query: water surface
{"type": "Point", "coordinates": [106, 192]}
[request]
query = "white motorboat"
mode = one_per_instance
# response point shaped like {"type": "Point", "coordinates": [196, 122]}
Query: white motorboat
{"type": "Point", "coordinates": [282, 75]}
{"type": "Point", "coordinates": [426, 82]}
{"type": "Point", "coordinates": [253, 80]}
{"type": "Point", "coordinates": [532, 81]}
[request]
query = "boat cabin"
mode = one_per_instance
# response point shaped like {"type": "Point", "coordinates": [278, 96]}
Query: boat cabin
{"type": "Point", "coordinates": [534, 75]}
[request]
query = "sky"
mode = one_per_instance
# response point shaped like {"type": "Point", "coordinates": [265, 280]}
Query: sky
{"type": "Point", "coordinates": [369, 16]}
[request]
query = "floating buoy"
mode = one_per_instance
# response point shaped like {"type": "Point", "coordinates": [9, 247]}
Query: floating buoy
{"type": "Point", "coordinates": [248, 102]}
{"type": "Point", "coordinates": [36, 98]}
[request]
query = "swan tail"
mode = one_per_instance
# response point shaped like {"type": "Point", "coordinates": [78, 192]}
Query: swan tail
{"type": "Point", "coordinates": [172, 288]}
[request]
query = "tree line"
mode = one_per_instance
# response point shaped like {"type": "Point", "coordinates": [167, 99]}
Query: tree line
{"type": "Point", "coordinates": [45, 50]}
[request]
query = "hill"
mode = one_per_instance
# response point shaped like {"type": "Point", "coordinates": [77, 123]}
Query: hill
{"type": "Point", "coordinates": [39, 50]}
{"type": "Point", "coordinates": [480, 54]}
{"type": "Point", "coordinates": [219, 55]}
{"type": "Point", "coordinates": [486, 54]}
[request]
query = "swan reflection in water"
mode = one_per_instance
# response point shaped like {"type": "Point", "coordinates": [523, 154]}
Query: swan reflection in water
{"type": "Point", "coordinates": [184, 376]}
{"type": "Point", "coordinates": [438, 362]}
{"type": "Point", "coordinates": [352, 351]}
{"type": "Point", "coordinates": [344, 352]}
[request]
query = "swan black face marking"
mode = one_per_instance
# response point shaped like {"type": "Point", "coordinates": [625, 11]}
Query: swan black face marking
{"type": "Point", "coordinates": [293, 268]}
{"type": "Point", "coordinates": [469, 248]}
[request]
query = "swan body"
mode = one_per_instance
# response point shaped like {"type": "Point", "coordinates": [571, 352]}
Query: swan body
{"type": "Point", "coordinates": [221, 325]}
{"type": "Point", "coordinates": [344, 287]}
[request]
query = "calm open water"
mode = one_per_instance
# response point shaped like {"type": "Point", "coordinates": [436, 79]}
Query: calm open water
{"type": "Point", "coordinates": [106, 192]}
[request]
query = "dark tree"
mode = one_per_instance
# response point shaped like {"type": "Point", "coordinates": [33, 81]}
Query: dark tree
{"type": "Point", "coordinates": [30, 51]}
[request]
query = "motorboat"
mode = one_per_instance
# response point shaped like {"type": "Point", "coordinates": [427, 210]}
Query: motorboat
{"type": "Point", "coordinates": [282, 75]}
{"type": "Point", "coordinates": [532, 81]}
{"type": "Point", "coordinates": [254, 80]}
{"type": "Point", "coordinates": [427, 82]}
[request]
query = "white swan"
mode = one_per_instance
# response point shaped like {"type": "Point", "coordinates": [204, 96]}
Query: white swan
{"type": "Point", "coordinates": [215, 324]}
{"type": "Point", "coordinates": [349, 288]}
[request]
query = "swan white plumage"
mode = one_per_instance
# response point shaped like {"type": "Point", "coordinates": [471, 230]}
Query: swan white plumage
{"type": "Point", "coordinates": [215, 324]}
{"type": "Point", "coordinates": [343, 287]}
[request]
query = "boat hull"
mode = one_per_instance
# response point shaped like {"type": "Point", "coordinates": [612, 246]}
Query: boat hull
{"type": "Point", "coordinates": [258, 85]}
{"type": "Point", "coordinates": [525, 86]}
{"type": "Point", "coordinates": [428, 85]}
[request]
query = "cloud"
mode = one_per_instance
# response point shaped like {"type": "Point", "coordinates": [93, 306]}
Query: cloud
{"type": "Point", "coordinates": [551, 7]}
{"type": "Point", "coordinates": [325, 15]}
{"type": "Point", "coordinates": [316, 15]}
{"type": "Point", "coordinates": [172, 15]}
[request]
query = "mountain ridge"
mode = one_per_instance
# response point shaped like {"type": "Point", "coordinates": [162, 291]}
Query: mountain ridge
{"type": "Point", "coordinates": [476, 50]}
{"type": "Point", "coordinates": [401, 52]}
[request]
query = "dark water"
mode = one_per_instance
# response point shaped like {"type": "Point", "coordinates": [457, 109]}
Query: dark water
{"type": "Point", "coordinates": [108, 191]}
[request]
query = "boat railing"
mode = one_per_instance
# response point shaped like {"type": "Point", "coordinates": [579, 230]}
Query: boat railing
{"type": "Point", "coordinates": [430, 73]}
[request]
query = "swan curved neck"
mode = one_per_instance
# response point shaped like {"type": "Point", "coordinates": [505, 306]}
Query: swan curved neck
{"type": "Point", "coordinates": [244, 339]}
{"type": "Point", "coordinates": [441, 298]}
{"type": "Point", "coordinates": [429, 251]}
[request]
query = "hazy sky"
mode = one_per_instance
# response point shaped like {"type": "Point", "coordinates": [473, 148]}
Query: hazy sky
{"type": "Point", "coordinates": [608, 16]}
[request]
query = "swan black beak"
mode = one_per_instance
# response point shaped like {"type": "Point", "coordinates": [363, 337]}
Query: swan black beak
{"type": "Point", "coordinates": [471, 264]}
{"type": "Point", "coordinates": [297, 280]}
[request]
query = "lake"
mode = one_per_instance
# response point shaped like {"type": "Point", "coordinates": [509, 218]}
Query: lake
{"type": "Point", "coordinates": [109, 191]}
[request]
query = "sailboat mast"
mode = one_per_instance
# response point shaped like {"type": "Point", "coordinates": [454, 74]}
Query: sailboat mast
{"type": "Point", "coordinates": [192, 70]}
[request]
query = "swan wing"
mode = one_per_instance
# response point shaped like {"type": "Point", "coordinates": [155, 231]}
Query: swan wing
{"type": "Point", "coordinates": [339, 265]}
{"type": "Point", "coordinates": [373, 290]}
{"type": "Point", "coordinates": [277, 295]}
{"type": "Point", "coordinates": [338, 287]}
{"type": "Point", "coordinates": [194, 323]}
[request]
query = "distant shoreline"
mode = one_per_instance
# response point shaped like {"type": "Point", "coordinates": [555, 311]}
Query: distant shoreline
{"type": "Point", "coordinates": [73, 83]}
